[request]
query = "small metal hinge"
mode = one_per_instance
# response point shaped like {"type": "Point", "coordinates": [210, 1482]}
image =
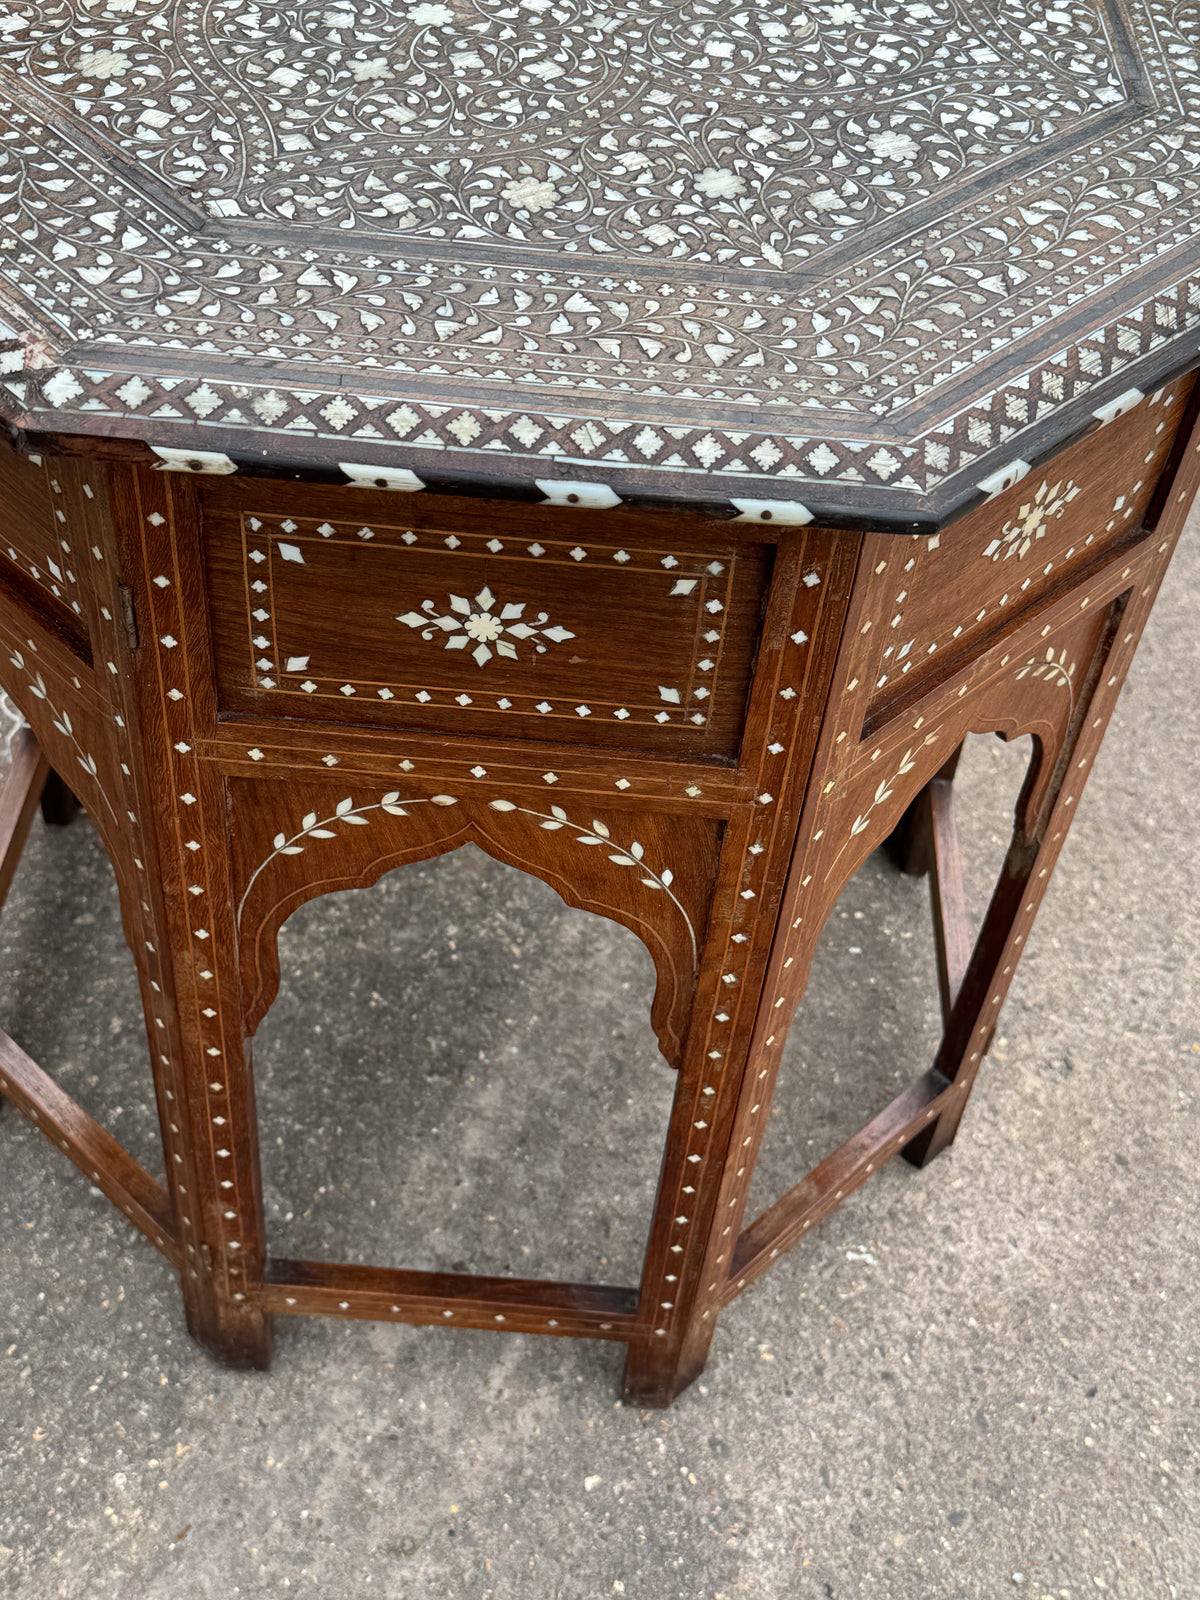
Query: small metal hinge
{"type": "Point", "coordinates": [206, 1257]}
{"type": "Point", "coordinates": [128, 616]}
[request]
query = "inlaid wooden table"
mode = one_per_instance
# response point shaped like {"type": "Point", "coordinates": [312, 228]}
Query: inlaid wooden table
{"type": "Point", "coordinates": [640, 441]}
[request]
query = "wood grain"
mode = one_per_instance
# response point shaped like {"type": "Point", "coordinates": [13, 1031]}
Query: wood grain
{"type": "Point", "coordinates": [92, 1148]}
{"type": "Point", "coordinates": [19, 796]}
{"type": "Point", "coordinates": [225, 801]}
{"type": "Point", "coordinates": [610, 629]}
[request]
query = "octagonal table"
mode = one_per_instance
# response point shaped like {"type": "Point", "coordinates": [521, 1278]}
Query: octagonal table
{"type": "Point", "coordinates": [642, 441]}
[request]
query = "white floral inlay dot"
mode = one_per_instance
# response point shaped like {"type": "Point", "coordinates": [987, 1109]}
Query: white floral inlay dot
{"type": "Point", "coordinates": [487, 623]}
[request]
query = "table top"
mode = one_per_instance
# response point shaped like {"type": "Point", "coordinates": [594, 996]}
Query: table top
{"type": "Point", "coordinates": [853, 258]}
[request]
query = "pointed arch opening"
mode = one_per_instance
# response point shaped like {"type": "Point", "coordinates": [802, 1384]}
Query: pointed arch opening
{"type": "Point", "coordinates": [870, 1021]}
{"type": "Point", "coordinates": [459, 1074]}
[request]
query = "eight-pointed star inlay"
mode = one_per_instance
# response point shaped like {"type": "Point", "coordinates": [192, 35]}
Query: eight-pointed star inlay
{"type": "Point", "coordinates": [478, 620]}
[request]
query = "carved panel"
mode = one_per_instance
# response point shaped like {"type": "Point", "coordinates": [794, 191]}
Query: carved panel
{"type": "Point", "coordinates": [474, 622]}
{"type": "Point", "coordinates": [651, 872]}
{"type": "Point", "coordinates": [1032, 687]}
{"type": "Point", "coordinates": [1038, 681]}
{"type": "Point", "coordinates": [71, 726]}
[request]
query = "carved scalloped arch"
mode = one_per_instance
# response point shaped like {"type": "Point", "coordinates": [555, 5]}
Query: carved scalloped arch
{"type": "Point", "coordinates": [675, 965]}
{"type": "Point", "coordinates": [1052, 725]}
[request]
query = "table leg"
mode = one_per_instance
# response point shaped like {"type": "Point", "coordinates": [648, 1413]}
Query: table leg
{"type": "Point", "coordinates": [1025, 877]}
{"type": "Point", "coordinates": [210, 1129]}
{"type": "Point", "coordinates": [708, 1158]}
{"type": "Point", "coordinates": [924, 1119]}
{"type": "Point", "coordinates": [908, 844]}
{"type": "Point", "coordinates": [59, 804]}
{"type": "Point", "coordinates": [681, 1321]}
{"type": "Point", "coordinates": [18, 800]}
{"type": "Point", "coordinates": [189, 958]}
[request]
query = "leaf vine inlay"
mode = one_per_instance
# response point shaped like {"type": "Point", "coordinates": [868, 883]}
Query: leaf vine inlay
{"type": "Point", "coordinates": [347, 814]}
{"type": "Point", "coordinates": [1054, 669]}
{"type": "Point", "coordinates": [62, 724]}
{"type": "Point", "coordinates": [883, 792]}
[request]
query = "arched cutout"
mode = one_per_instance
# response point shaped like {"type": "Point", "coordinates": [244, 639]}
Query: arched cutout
{"type": "Point", "coordinates": [870, 1022]}
{"type": "Point", "coordinates": [651, 872]}
{"type": "Point", "coordinates": [387, 1138]}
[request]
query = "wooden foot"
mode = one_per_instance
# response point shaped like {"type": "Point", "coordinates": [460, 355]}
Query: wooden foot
{"type": "Point", "coordinates": [658, 1371]}
{"type": "Point", "coordinates": [240, 1337]}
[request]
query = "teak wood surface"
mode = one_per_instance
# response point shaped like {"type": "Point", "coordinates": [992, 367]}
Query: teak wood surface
{"type": "Point", "coordinates": [474, 424]}
{"type": "Point", "coordinates": [262, 692]}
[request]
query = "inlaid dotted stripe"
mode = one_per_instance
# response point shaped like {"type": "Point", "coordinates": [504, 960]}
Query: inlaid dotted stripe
{"type": "Point", "coordinates": [763, 828]}
{"type": "Point", "coordinates": [54, 573]}
{"type": "Point", "coordinates": [195, 875]}
{"type": "Point", "coordinates": [1016, 553]}
{"type": "Point", "coordinates": [714, 787]}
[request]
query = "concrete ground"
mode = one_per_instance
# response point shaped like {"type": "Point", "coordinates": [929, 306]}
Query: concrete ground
{"type": "Point", "coordinates": [973, 1381]}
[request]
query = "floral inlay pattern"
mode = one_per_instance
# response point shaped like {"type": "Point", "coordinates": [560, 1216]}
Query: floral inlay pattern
{"type": "Point", "coordinates": [1052, 669]}
{"type": "Point", "coordinates": [682, 246]}
{"type": "Point", "coordinates": [344, 814]}
{"type": "Point", "coordinates": [682, 667]}
{"type": "Point", "coordinates": [722, 134]}
{"type": "Point", "coordinates": [347, 814]}
{"type": "Point", "coordinates": [487, 623]}
{"type": "Point", "coordinates": [62, 724]}
{"type": "Point", "coordinates": [1020, 533]}
{"type": "Point", "coordinates": [883, 792]}
{"type": "Point", "coordinates": [631, 855]}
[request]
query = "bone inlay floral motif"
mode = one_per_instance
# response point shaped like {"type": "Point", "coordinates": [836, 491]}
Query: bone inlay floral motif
{"type": "Point", "coordinates": [1055, 669]}
{"type": "Point", "coordinates": [633, 855]}
{"type": "Point", "coordinates": [347, 814]}
{"type": "Point", "coordinates": [481, 614]}
{"type": "Point", "coordinates": [1020, 533]}
{"type": "Point", "coordinates": [62, 724]}
{"type": "Point", "coordinates": [486, 622]}
{"type": "Point", "coordinates": [693, 241]}
{"type": "Point", "coordinates": [344, 814]}
{"type": "Point", "coordinates": [883, 792]}
{"type": "Point", "coordinates": [488, 121]}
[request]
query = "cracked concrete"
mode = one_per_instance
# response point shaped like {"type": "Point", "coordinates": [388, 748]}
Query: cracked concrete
{"type": "Point", "coordinates": [973, 1381]}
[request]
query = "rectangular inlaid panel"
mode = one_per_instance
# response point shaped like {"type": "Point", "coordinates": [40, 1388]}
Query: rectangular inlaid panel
{"type": "Point", "coordinates": [638, 633]}
{"type": "Point", "coordinates": [933, 598]}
